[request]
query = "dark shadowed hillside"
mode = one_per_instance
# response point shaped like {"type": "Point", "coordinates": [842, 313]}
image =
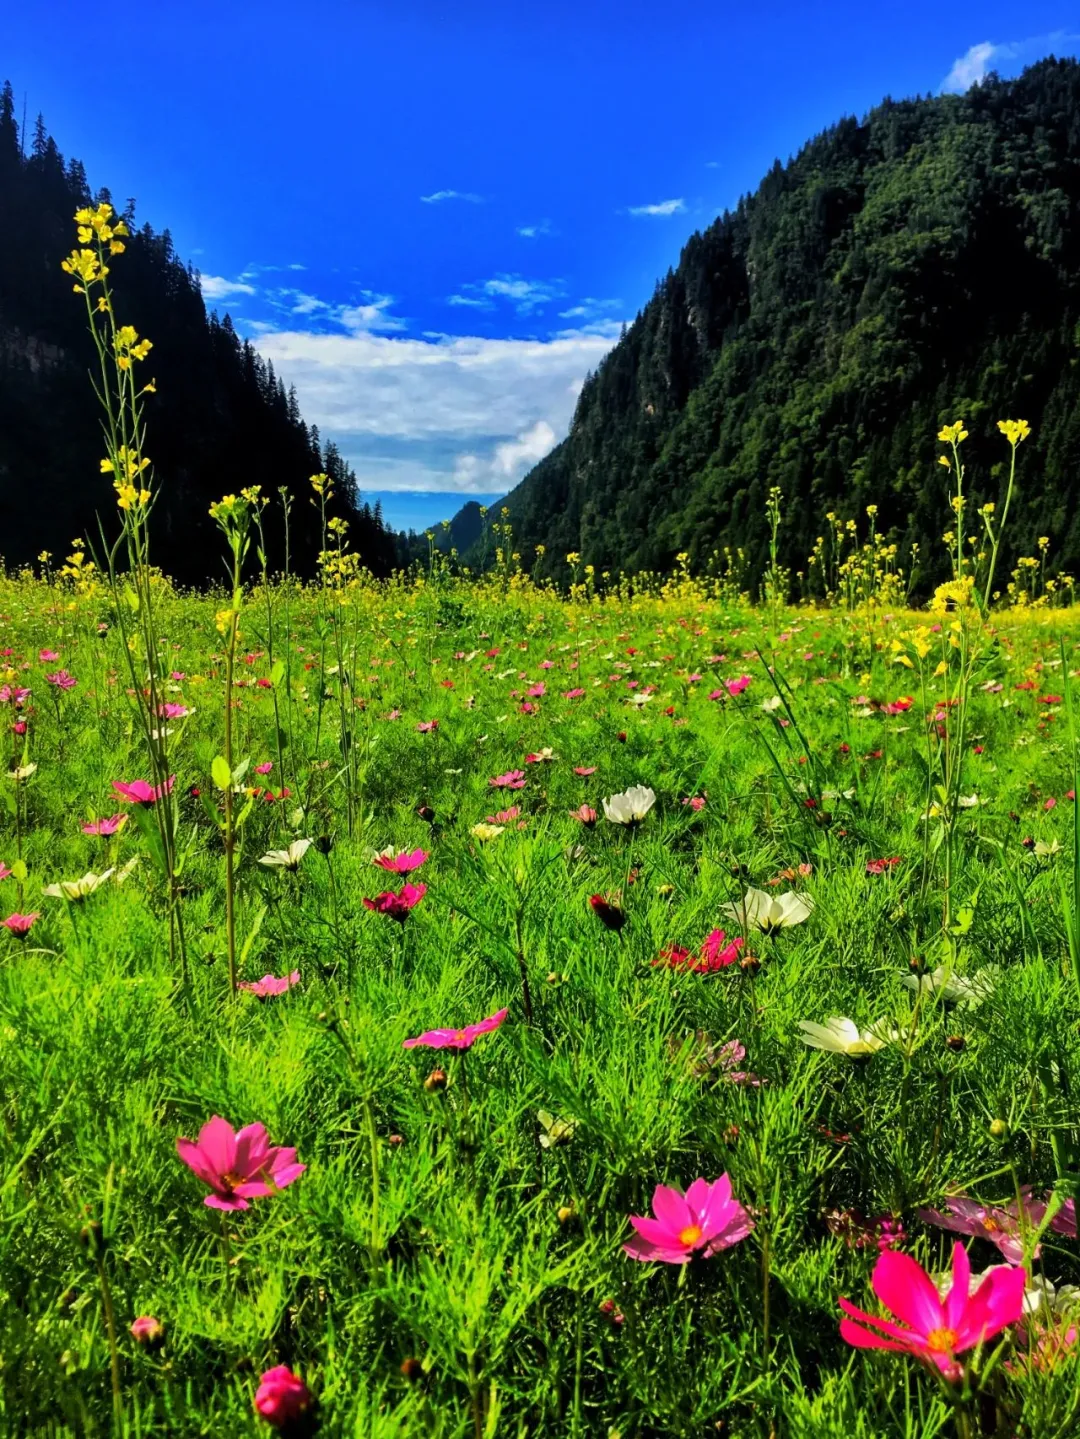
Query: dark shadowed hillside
{"type": "Point", "coordinates": [221, 419]}
{"type": "Point", "coordinates": [916, 267]}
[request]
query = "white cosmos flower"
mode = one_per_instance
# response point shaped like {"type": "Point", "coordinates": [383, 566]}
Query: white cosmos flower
{"type": "Point", "coordinates": [630, 806]}
{"type": "Point", "coordinates": [486, 832]}
{"type": "Point", "coordinates": [758, 910]}
{"type": "Point", "coordinates": [954, 987]}
{"type": "Point", "coordinates": [287, 858]}
{"type": "Point", "coordinates": [771, 704]}
{"type": "Point", "coordinates": [967, 801]}
{"type": "Point", "coordinates": [21, 772]}
{"type": "Point", "coordinates": [76, 890]}
{"type": "Point", "coordinates": [843, 1036]}
{"type": "Point", "coordinates": [1044, 850]}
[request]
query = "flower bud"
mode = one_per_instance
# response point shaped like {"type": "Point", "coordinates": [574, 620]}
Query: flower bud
{"type": "Point", "coordinates": [412, 1370]}
{"type": "Point", "coordinates": [92, 1239]}
{"type": "Point", "coordinates": [147, 1330]}
{"type": "Point", "coordinates": [956, 1042]}
{"type": "Point", "coordinates": [436, 1080]}
{"type": "Point", "coordinates": [999, 1129]}
{"type": "Point", "coordinates": [281, 1397]}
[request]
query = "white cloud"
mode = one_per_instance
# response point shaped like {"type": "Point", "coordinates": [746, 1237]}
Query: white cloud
{"type": "Point", "coordinates": [441, 195]}
{"type": "Point", "coordinates": [973, 67]}
{"type": "Point", "coordinates": [371, 316]}
{"type": "Point", "coordinates": [506, 464]}
{"type": "Point", "coordinates": [473, 302]}
{"type": "Point", "coordinates": [533, 232]}
{"type": "Point", "coordinates": [214, 287]}
{"type": "Point", "coordinates": [589, 309]}
{"type": "Point", "coordinates": [527, 295]}
{"type": "Point", "coordinates": [443, 412]}
{"type": "Point", "coordinates": [665, 207]}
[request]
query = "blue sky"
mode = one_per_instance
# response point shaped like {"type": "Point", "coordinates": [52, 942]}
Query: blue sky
{"type": "Point", "coordinates": [434, 218]}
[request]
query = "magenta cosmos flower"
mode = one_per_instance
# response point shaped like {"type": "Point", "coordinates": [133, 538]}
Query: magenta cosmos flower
{"type": "Point", "coordinates": [139, 792]}
{"type": "Point", "coordinates": [397, 906]}
{"type": "Point", "coordinates": [239, 1165]}
{"type": "Point", "coordinates": [933, 1329]}
{"type": "Point", "coordinates": [147, 1329]}
{"type": "Point", "coordinates": [403, 863]}
{"type": "Point", "coordinates": [269, 985]}
{"type": "Point", "coordinates": [281, 1397]}
{"type": "Point", "coordinates": [19, 925]}
{"type": "Point", "coordinates": [999, 1223]}
{"type": "Point", "coordinates": [61, 680]}
{"type": "Point", "coordinates": [5, 873]}
{"type": "Point", "coordinates": [702, 1221]}
{"type": "Point", "coordinates": [456, 1038]}
{"type": "Point", "coordinates": [105, 827]}
{"type": "Point", "coordinates": [512, 779]}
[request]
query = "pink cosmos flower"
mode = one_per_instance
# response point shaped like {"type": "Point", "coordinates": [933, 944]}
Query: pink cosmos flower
{"type": "Point", "coordinates": [140, 792]}
{"type": "Point", "coordinates": [512, 779]}
{"type": "Point", "coordinates": [281, 1397]}
{"type": "Point", "coordinates": [695, 802]}
{"type": "Point", "coordinates": [881, 866]}
{"type": "Point", "coordinates": [264, 768]}
{"type": "Point", "coordinates": [584, 770]}
{"type": "Point", "coordinates": [716, 952]}
{"type": "Point", "coordinates": [427, 726]}
{"type": "Point", "coordinates": [5, 873]}
{"type": "Point", "coordinates": [573, 694]}
{"type": "Point", "coordinates": [456, 1038]}
{"type": "Point", "coordinates": [504, 816]}
{"type": "Point", "coordinates": [858, 1232]}
{"type": "Point", "coordinates": [172, 711]}
{"type": "Point", "coordinates": [403, 863]}
{"type": "Point", "coordinates": [238, 1166]}
{"type": "Point", "coordinates": [397, 906]}
{"type": "Point", "coordinates": [735, 687]}
{"type": "Point", "coordinates": [586, 814]}
{"type": "Point", "coordinates": [935, 1330]}
{"type": "Point", "coordinates": [703, 1221]}
{"type": "Point", "coordinates": [146, 1329]}
{"type": "Point", "coordinates": [48, 657]}
{"type": "Point", "coordinates": [537, 691]}
{"type": "Point", "coordinates": [19, 924]}
{"type": "Point", "coordinates": [727, 1057]}
{"type": "Point", "coordinates": [106, 827]}
{"type": "Point", "coordinates": [998, 1223]}
{"type": "Point", "coordinates": [268, 985]}
{"type": "Point", "coordinates": [61, 680]}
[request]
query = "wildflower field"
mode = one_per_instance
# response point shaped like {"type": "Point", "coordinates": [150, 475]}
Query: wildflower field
{"type": "Point", "coordinates": [565, 911]}
{"type": "Point", "coordinates": [450, 1007]}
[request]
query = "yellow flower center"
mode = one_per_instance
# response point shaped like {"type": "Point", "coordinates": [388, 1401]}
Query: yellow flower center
{"type": "Point", "coordinates": [690, 1235]}
{"type": "Point", "coordinates": [942, 1341]}
{"type": "Point", "coordinates": [990, 1225]}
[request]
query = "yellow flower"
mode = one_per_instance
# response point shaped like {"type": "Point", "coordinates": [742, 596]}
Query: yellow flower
{"type": "Point", "coordinates": [871, 510]}
{"type": "Point", "coordinates": [952, 434]}
{"type": "Point", "coordinates": [1014, 430]}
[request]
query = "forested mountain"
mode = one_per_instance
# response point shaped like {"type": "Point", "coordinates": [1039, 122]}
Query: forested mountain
{"type": "Point", "coordinates": [221, 418]}
{"type": "Point", "coordinates": [916, 267]}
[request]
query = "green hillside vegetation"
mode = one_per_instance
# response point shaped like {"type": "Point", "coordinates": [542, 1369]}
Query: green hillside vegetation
{"type": "Point", "coordinates": [901, 272]}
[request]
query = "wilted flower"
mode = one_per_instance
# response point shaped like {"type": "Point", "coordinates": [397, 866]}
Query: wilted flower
{"type": "Point", "coordinates": [767, 912]}
{"type": "Point", "coordinates": [238, 1166]}
{"type": "Point", "coordinates": [704, 1220]}
{"type": "Point", "coordinates": [286, 858]}
{"type": "Point", "coordinates": [631, 806]}
{"type": "Point", "coordinates": [456, 1038]}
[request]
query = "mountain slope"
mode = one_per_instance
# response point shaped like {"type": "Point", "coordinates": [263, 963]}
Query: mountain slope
{"type": "Point", "coordinates": [221, 419]}
{"type": "Point", "coordinates": [916, 267]}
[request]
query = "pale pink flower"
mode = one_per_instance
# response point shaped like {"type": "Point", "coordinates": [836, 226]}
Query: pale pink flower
{"type": "Point", "coordinates": [704, 1220]}
{"type": "Point", "coordinates": [238, 1165]}
{"type": "Point", "coordinates": [512, 779]}
{"type": "Point", "coordinates": [427, 726]}
{"type": "Point", "coordinates": [106, 827]}
{"type": "Point", "coordinates": [19, 924]}
{"type": "Point", "coordinates": [48, 657]}
{"type": "Point", "coordinates": [269, 985]}
{"type": "Point", "coordinates": [456, 1038]}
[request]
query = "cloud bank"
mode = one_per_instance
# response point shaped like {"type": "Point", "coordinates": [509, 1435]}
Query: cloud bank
{"type": "Point", "coordinates": [973, 67]}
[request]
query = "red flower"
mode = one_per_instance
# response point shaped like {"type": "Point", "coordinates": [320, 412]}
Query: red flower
{"type": "Point", "coordinates": [609, 915]}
